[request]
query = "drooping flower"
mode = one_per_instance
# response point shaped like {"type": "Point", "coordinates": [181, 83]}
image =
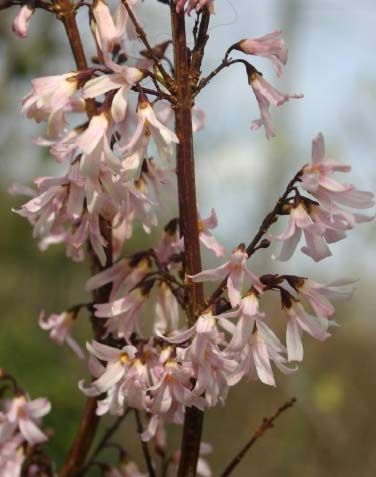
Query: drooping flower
{"type": "Point", "coordinates": [332, 195]}
{"type": "Point", "coordinates": [122, 79]}
{"type": "Point", "coordinates": [59, 327]}
{"type": "Point", "coordinates": [270, 46]}
{"type": "Point", "coordinates": [319, 295]}
{"type": "Point", "coordinates": [21, 23]}
{"type": "Point", "coordinates": [48, 95]}
{"type": "Point", "coordinates": [123, 275]}
{"type": "Point", "coordinates": [299, 320]}
{"type": "Point", "coordinates": [266, 95]}
{"type": "Point", "coordinates": [234, 270]}
{"type": "Point", "coordinates": [253, 345]}
{"type": "Point", "coordinates": [109, 30]}
{"type": "Point", "coordinates": [300, 221]}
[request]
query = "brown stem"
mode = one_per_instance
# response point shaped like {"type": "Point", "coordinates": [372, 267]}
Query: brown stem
{"type": "Point", "coordinates": [89, 422]}
{"type": "Point", "coordinates": [188, 221]}
{"type": "Point", "coordinates": [144, 445]}
{"type": "Point", "coordinates": [267, 424]}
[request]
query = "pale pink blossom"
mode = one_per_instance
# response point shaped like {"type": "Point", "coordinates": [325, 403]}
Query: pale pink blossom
{"type": "Point", "coordinates": [25, 415]}
{"type": "Point", "coordinates": [166, 310]}
{"type": "Point", "coordinates": [123, 313]}
{"type": "Point", "coordinates": [122, 80]}
{"type": "Point", "coordinates": [212, 367]}
{"type": "Point", "coordinates": [299, 320]}
{"type": "Point", "coordinates": [271, 46]}
{"type": "Point", "coordinates": [109, 30]}
{"type": "Point", "coordinates": [124, 275]}
{"type": "Point", "coordinates": [60, 327]}
{"type": "Point", "coordinates": [173, 387]}
{"type": "Point", "coordinates": [332, 195]}
{"type": "Point", "coordinates": [253, 345]}
{"type": "Point", "coordinates": [48, 95]}
{"type": "Point", "coordinates": [300, 221]}
{"type": "Point", "coordinates": [266, 95]}
{"type": "Point", "coordinates": [117, 363]}
{"type": "Point", "coordinates": [147, 124]}
{"type": "Point", "coordinates": [21, 23]}
{"type": "Point", "coordinates": [206, 237]}
{"type": "Point", "coordinates": [319, 295]}
{"type": "Point", "coordinates": [234, 271]}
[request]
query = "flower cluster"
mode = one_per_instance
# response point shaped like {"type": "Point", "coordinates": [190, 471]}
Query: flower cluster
{"type": "Point", "coordinates": [20, 432]}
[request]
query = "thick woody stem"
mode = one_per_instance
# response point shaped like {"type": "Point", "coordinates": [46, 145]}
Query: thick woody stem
{"type": "Point", "coordinates": [188, 221]}
{"type": "Point", "coordinates": [89, 422]}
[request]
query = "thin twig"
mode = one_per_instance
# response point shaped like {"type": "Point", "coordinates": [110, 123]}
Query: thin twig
{"type": "Point", "coordinates": [268, 221]}
{"type": "Point", "coordinates": [225, 63]}
{"type": "Point", "coordinates": [103, 442]}
{"type": "Point", "coordinates": [144, 445]}
{"type": "Point", "coordinates": [142, 35]}
{"type": "Point", "coordinates": [267, 424]}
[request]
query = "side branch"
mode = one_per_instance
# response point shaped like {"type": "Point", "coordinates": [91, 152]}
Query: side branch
{"type": "Point", "coordinates": [142, 35]}
{"type": "Point", "coordinates": [267, 424]}
{"type": "Point", "coordinates": [254, 245]}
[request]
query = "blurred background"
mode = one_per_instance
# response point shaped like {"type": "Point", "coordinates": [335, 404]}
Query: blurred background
{"type": "Point", "coordinates": [332, 45]}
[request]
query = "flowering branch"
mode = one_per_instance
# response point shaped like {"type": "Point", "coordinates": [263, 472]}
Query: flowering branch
{"type": "Point", "coordinates": [267, 423]}
{"type": "Point", "coordinates": [254, 245]}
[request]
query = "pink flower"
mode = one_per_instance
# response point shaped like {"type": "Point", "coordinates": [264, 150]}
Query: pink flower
{"type": "Point", "coordinates": [123, 275]}
{"type": "Point", "coordinates": [299, 320]}
{"type": "Point", "coordinates": [271, 46]}
{"type": "Point", "coordinates": [266, 95]}
{"type": "Point", "coordinates": [122, 80]}
{"type": "Point", "coordinates": [234, 270]}
{"type": "Point", "coordinates": [109, 31]}
{"type": "Point", "coordinates": [300, 221]}
{"type": "Point", "coordinates": [212, 367]}
{"type": "Point", "coordinates": [206, 237]}
{"type": "Point", "coordinates": [118, 362]}
{"type": "Point", "coordinates": [21, 23]}
{"type": "Point", "coordinates": [173, 388]}
{"type": "Point", "coordinates": [319, 295]}
{"type": "Point", "coordinates": [124, 312]}
{"type": "Point", "coordinates": [253, 345]}
{"type": "Point", "coordinates": [25, 415]}
{"type": "Point", "coordinates": [59, 327]}
{"type": "Point", "coordinates": [166, 310]}
{"type": "Point", "coordinates": [149, 124]}
{"type": "Point", "coordinates": [330, 193]}
{"type": "Point", "coordinates": [49, 94]}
